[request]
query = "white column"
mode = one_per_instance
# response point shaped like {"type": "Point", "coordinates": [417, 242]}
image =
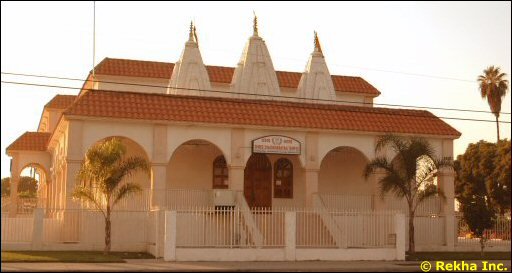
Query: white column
{"type": "Point", "coordinates": [158, 185]}
{"type": "Point", "coordinates": [446, 183]}
{"type": "Point", "coordinates": [15, 181]}
{"type": "Point", "coordinates": [236, 178]}
{"type": "Point", "coordinates": [400, 236]}
{"type": "Point", "coordinates": [170, 236]}
{"type": "Point", "coordinates": [37, 231]}
{"type": "Point", "coordinates": [311, 186]}
{"type": "Point", "coordinates": [290, 222]}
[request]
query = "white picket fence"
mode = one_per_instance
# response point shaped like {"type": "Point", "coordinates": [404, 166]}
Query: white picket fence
{"type": "Point", "coordinates": [350, 202]}
{"type": "Point", "coordinates": [210, 227]}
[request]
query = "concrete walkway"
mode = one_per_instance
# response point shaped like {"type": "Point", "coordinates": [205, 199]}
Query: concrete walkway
{"type": "Point", "coordinates": [160, 265]}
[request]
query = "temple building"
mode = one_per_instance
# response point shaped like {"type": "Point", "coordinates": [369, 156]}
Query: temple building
{"type": "Point", "coordinates": [247, 135]}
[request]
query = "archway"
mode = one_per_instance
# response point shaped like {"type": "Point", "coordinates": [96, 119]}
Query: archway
{"type": "Point", "coordinates": [341, 183]}
{"type": "Point", "coordinates": [258, 181]}
{"type": "Point", "coordinates": [134, 201]}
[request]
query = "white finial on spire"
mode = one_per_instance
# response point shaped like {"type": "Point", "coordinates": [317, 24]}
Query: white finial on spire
{"type": "Point", "coordinates": [255, 24]}
{"type": "Point", "coordinates": [318, 48]}
{"type": "Point", "coordinates": [191, 32]}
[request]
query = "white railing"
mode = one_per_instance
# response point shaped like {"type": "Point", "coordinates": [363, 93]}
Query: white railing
{"type": "Point", "coordinates": [328, 222]}
{"type": "Point", "coordinates": [221, 228]}
{"type": "Point", "coordinates": [430, 206]}
{"type": "Point", "coordinates": [335, 201]}
{"type": "Point", "coordinates": [17, 229]}
{"type": "Point", "coordinates": [498, 235]}
{"type": "Point", "coordinates": [174, 199]}
{"type": "Point", "coordinates": [252, 230]}
{"type": "Point", "coordinates": [356, 229]}
{"type": "Point", "coordinates": [350, 202]}
{"type": "Point", "coordinates": [184, 198]}
{"type": "Point", "coordinates": [87, 227]}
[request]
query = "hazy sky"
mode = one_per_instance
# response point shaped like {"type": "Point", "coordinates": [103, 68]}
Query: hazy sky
{"type": "Point", "coordinates": [388, 44]}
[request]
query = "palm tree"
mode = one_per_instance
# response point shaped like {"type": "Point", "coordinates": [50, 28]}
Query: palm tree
{"type": "Point", "coordinates": [105, 167]}
{"type": "Point", "coordinates": [410, 175]}
{"type": "Point", "coordinates": [493, 86]}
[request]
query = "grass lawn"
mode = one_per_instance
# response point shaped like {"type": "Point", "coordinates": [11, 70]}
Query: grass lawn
{"type": "Point", "coordinates": [71, 256]}
{"type": "Point", "coordinates": [434, 256]}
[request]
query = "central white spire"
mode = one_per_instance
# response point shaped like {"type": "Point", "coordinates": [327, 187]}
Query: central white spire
{"type": "Point", "coordinates": [255, 72]}
{"type": "Point", "coordinates": [316, 81]}
{"type": "Point", "coordinates": [189, 76]}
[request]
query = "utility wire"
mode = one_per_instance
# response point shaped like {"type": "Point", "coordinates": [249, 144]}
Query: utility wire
{"type": "Point", "coordinates": [262, 102]}
{"type": "Point", "coordinates": [297, 98]}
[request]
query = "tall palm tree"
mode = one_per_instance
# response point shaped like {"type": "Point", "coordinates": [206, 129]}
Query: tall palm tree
{"type": "Point", "coordinates": [410, 175]}
{"type": "Point", "coordinates": [493, 86]}
{"type": "Point", "coordinates": [105, 167]}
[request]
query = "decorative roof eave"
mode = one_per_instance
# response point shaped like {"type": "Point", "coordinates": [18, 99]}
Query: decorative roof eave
{"type": "Point", "coordinates": [131, 105]}
{"type": "Point", "coordinates": [30, 141]}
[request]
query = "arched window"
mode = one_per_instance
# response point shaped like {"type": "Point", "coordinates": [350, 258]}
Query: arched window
{"type": "Point", "coordinates": [283, 179]}
{"type": "Point", "coordinates": [220, 173]}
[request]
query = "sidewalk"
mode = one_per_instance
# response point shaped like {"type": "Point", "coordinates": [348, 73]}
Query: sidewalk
{"type": "Point", "coordinates": [160, 265]}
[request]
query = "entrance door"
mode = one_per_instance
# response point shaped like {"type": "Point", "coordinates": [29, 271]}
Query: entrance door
{"type": "Point", "coordinates": [258, 181]}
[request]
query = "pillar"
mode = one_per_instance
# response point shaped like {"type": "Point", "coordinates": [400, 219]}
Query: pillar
{"type": "Point", "coordinates": [446, 182]}
{"type": "Point", "coordinates": [237, 162]}
{"type": "Point", "coordinates": [158, 185]}
{"type": "Point", "coordinates": [15, 181]}
{"type": "Point", "coordinates": [312, 168]}
{"type": "Point", "coordinates": [170, 236]}
{"type": "Point", "coordinates": [71, 214]}
{"type": "Point", "coordinates": [290, 223]}
{"type": "Point", "coordinates": [159, 164]}
{"type": "Point", "coordinates": [311, 186]}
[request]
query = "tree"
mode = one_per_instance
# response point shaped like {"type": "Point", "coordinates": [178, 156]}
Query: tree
{"type": "Point", "coordinates": [500, 187]}
{"type": "Point", "coordinates": [105, 167]}
{"type": "Point", "coordinates": [410, 175]}
{"type": "Point", "coordinates": [479, 215]}
{"type": "Point", "coordinates": [493, 86]}
{"type": "Point", "coordinates": [26, 188]}
{"type": "Point", "coordinates": [484, 169]}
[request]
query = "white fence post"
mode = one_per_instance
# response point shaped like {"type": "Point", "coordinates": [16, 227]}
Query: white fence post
{"type": "Point", "coordinates": [37, 230]}
{"type": "Point", "coordinates": [450, 231]}
{"type": "Point", "coordinates": [170, 236]}
{"type": "Point", "coordinates": [400, 236]}
{"type": "Point", "coordinates": [290, 222]}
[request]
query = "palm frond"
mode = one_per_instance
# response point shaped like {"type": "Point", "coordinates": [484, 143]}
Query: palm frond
{"type": "Point", "coordinates": [397, 143]}
{"type": "Point", "coordinates": [429, 191]}
{"type": "Point", "coordinates": [126, 168]}
{"type": "Point", "coordinates": [86, 194]}
{"type": "Point", "coordinates": [124, 191]}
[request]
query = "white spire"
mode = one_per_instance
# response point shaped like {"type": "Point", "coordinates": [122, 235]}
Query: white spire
{"type": "Point", "coordinates": [316, 81]}
{"type": "Point", "coordinates": [189, 75]}
{"type": "Point", "coordinates": [255, 72]}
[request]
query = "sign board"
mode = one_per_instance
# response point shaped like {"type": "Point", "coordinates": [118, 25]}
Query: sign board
{"type": "Point", "coordinates": [276, 145]}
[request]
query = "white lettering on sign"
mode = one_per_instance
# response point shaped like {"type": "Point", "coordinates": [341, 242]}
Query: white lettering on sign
{"type": "Point", "coordinates": [276, 145]}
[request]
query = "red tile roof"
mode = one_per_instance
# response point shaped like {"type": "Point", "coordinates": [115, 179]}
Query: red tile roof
{"type": "Point", "coordinates": [127, 105]}
{"type": "Point", "coordinates": [30, 141]}
{"type": "Point", "coordinates": [220, 74]}
{"type": "Point", "coordinates": [60, 101]}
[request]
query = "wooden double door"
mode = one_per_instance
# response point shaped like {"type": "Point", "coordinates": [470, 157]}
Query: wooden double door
{"type": "Point", "coordinates": [258, 181]}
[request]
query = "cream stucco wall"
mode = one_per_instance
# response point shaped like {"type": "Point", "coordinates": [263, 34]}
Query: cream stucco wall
{"type": "Point", "coordinates": [341, 172]}
{"type": "Point", "coordinates": [191, 166]}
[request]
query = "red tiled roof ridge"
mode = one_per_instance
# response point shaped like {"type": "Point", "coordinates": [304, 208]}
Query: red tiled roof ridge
{"type": "Point", "coordinates": [222, 74]}
{"type": "Point", "coordinates": [30, 141]}
{"type": "Point", "coordinates": [134, 105]}
{"type": "Point", "coordinates": [60, 101]}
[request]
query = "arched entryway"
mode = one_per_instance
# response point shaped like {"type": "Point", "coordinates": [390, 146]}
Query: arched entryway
{"type": "Point", "coordinates": [258, 181]}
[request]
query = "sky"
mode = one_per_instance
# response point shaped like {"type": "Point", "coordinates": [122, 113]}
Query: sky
{"type": "Point", "coordinates": [419, 54]}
